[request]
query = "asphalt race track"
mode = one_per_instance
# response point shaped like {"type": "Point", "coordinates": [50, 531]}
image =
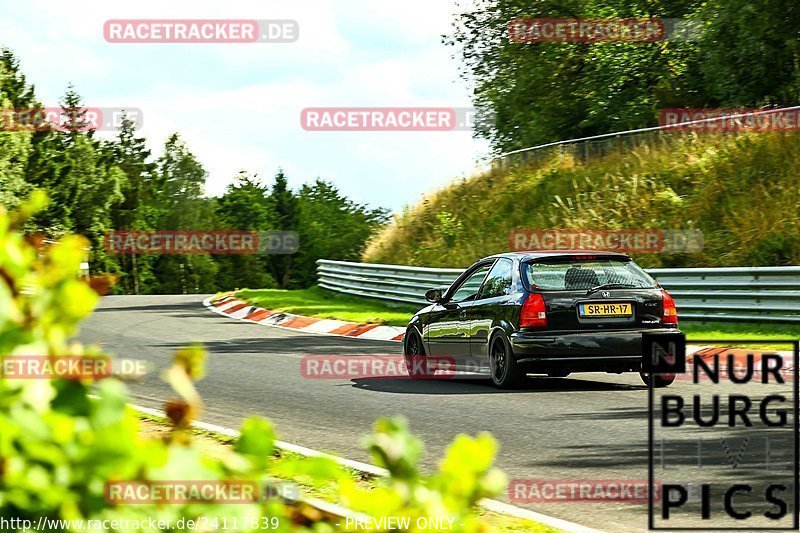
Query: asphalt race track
{"type": "Point", "coordinates": [586, 426]}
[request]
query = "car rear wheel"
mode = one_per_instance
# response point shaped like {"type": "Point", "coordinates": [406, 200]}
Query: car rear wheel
{"type": "Point", "coordinates": [503, 366]}
{"type": "Point", "coordinates": [660, 380]}
{"type": "Point", "coordinates": [414, 354]}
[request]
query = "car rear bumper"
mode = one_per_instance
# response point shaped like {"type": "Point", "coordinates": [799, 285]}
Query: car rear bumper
{"type": "Point", "coordinates": [611, 351]}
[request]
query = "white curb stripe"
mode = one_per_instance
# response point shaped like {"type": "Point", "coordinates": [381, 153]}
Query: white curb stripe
{"type": "Point", "coordinates": [324, 326]}
{"type": "Point", "coordinates": [382, 333]}
{"type": "Point", "coordinates": [691, 349]}
{"type": "Point", "coordinates": [243, 312]}
{"type": "Point", "coordinates": [226, 305]}
{"type": "Point", "coordinates": [491, 505]}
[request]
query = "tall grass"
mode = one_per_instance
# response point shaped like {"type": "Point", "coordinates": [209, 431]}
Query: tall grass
{"type": "Point", "coordinates": [742, 191]}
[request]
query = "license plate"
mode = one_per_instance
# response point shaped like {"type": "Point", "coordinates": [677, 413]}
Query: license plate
{"type": "Point", "coordinates": [606, 310]}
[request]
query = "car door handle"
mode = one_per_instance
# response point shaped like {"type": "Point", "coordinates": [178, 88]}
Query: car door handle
{"type": "Point", "coordinates": [463, 314]}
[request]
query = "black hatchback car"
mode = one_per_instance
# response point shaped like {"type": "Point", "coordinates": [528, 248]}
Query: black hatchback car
{"type": "Point", "coordinates": [544, 312]}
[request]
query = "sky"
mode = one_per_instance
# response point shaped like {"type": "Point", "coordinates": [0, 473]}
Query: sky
{"type": "Point", "coordinates": [238, 105]}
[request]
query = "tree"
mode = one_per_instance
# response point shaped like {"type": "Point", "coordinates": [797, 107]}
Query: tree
{"type": "Point", "coordinates": [45, 170]}
{"type": "Point", "coordinates": [284, 204]}
{"type": "Point", "coordinates": [180, 205]}
{"type": "Point", "coordinates": [95, 186]}
{"type": "Point", "coordinates": [82, 183]}
{"type": "Point", "coordinates": [137, 210]}
{"type": "Point", "coordinates": [15, 145]}
{"type": "Point", "coordinates": [73, 115]}
{"type": "Point", "coordinates": [180, 181]}
{"type": "Point", "coordinates": [15, 148]}
{"type": "Point", "coordinates": [331, 226]}
{"type": "Point", "coordinates": [751, 52]}
{"type": "Point", "coordinates": [245, 206]}
{"type": "Point", "coordinates": [13, 84]}
{"type": "Point", "coordinates": [746, 54]}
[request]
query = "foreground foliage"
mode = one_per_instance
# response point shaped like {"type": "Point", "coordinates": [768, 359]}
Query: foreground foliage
{"type": "Point", "coordinates": [63, 439]}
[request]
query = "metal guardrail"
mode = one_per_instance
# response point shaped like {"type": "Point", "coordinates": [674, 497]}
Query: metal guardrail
{"type": "Point", "coordinates": [601, 145]}
{"type": "Point", "coordinates": [746, 294]}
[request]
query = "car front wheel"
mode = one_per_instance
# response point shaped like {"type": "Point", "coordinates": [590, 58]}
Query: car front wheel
{"type": "Point", "coordinates": [414, 355]}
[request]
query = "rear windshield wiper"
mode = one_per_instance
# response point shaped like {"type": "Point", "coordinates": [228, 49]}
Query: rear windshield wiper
{"type": "Point", "coordinates": [610, 286]}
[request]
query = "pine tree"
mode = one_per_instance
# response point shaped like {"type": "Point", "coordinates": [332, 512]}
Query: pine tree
{"type": "Point", "coordinates": [181, 206]}
{"type": "Point", "coordinates": [74, 115]}
{"type": "Point", "coordinates": [13, 84]}
{"type": "Point", "coordinates": [137, 210]}
{"type": "Point", "coordinates": [285, 207]}
{"type": "Point", "coordinates": [331, 226]}
{"type": "Point", "coordinates": [245, 206]}
{"type": "Point", "coordinates": [15, 146]}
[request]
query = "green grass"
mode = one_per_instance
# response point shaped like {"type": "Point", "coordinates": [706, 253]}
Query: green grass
{"type": "Point", "coordinates": [758, 332]}
{"type": "Point", "coordinates": [741, 191]}
{"type": "Point", "coordinates": [321, 303]}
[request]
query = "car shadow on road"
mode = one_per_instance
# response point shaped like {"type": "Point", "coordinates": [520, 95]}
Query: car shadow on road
{"type": "Point", "coordinates": [480, 385]}
{"type": "Point", "coordinates": [294, 343]}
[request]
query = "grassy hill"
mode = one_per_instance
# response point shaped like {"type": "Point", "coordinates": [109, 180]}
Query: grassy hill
{"type": "Point", "coordinates": [742, 191]}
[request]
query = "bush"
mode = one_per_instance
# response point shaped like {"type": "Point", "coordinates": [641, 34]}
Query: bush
{"type": "Point", "coordinates": [63, 439]}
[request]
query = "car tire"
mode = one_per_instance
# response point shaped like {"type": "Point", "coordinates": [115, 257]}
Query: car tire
{"type": "Point", "coordinates": [660, 380]}
{"type": "Point", "coordinates": [414, 355]}
{"type": "Point", "coordinates": [502, 364]}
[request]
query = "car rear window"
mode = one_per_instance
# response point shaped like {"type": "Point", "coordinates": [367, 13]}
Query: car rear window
{"type": "Point", "coordinates": [583, 275]}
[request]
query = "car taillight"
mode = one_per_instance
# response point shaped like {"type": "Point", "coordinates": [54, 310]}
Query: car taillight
{"type": "Point", "coordinates": [670, 311]}
{"type": "Point", "coordinates": [534, 312]}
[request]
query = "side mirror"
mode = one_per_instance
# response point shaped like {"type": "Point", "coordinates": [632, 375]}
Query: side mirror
{"type": "Point", "coordinates": [434, 296]}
